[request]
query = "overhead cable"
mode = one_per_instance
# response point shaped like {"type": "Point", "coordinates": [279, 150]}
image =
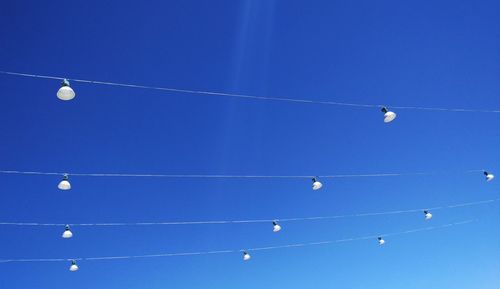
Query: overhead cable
{"type": "Point", "coordinates": [102, 258]}
{"type": "Point", "coordinates": [246, 96]}
{"type": "Point", "coordinates": [249, 221]}
{"type": "Point", "coordinates": [225, 176]}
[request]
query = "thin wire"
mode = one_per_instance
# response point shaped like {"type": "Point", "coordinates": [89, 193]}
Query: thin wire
{"type": "Point", "coordinates": [460, 205]}
{"type": "Point", "coordinates": [245, 96]}
{"type": "Point", "coordinates": [432, 228]}
{"type": "Point", "coordinates": [223, 176]}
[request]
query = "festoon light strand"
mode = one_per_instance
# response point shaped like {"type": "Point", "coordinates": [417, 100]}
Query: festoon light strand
{"type": "Point", "coordinates": [247, 250]}
{"type": "Point", "coordinates": [65, 184]}
{"type": "Point", "coordinates": [68, 94]}
{"type": "Point", "coordinates": [315, 178]}
{"type": "Point", "coordinates": [273, 221]}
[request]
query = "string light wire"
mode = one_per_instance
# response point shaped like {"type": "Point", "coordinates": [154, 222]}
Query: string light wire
{"type": "Point", "coordinates": [460, 205]}
{"type": "Point", "coordinates": [224, 176]}
{"type": "Point", "coordinates": [245, 96]}
{"type": "Point", "coordinates": [306, 244]}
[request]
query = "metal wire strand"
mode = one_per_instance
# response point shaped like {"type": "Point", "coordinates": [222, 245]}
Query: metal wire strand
{"type": "Point", "coordinates": [282, 220]}
{"type": "Point", "coordinates": [306, 244]}
{"type": "Point", "coordinates": [246, 96]}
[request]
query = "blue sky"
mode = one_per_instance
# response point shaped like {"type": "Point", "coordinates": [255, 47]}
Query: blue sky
{"type": "Point", "coordinates": [416, 53]}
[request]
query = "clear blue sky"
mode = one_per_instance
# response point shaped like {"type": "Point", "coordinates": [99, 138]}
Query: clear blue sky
{"type": "Point", "coordinates": [428, 53]}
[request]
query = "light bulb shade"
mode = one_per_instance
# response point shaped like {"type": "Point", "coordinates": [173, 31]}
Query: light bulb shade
{"type": "Point", "coordinates": [389, 116]}
{"type": "Point", "coordinates": [67, 234]}
{"type": "Point", "coordinates": [246, 256]}
{"type": "Point", "coordinates": [276, 228]}
{"type": "Point", "coordinates": [489, 177]}
{"type": "Point", "coordinates": [73, 267]}
{"type": "Point", "coordinates": [64, 185]}
{"type": "Point", "coordinates": [66, 93]}
{"type": "Point", "coordinates": [317, 185]}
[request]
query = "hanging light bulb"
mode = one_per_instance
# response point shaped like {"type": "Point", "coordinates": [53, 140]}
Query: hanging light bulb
{"type": "Point", "coordinates": [276, 227]}
{"type": "Point", "coordinates": [489, 177]}
{"type": "Point", "coordinates": [65, 92]}
{"type": "Point", "coordinates": [64, 184]}
{"type": "Point", "coordinates": [388, 115]}
{"type": "Point", "coordinates": [246, 256]}
{"type": "Point", "coordinates": [67, 233]}
{"type": "Point", "coordinates": [428, 215]}
{"type": "Point", "coordinates": [316, 185]}
{"type": "Point", "coordinates": [73, 266]}
{"type": "Point", "coordinates": [381, 241]}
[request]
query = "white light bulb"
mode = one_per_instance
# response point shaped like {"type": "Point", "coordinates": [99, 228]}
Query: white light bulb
{"type": "Point", "coordinates": [428, 215]}
{"type": "Point", "coordinates": [67, 233]}
{"type": "Point", "coordinates": [65, 92]}
{"type": "Point", "coordinates": [64, 184]}
{"type": "Point", "coordinates": [316, 185]}
{"type": "Point", "coordinates": [246, 256]}
{"type": "Point", "coordinates": [388, 115]}
{"type": "Point", "coordinates": [276, 227]}
{"type": "Point", "coordinates": [489, 177]}
{"type": "Point", "coordinates": [73, 266]}
{"type": "Point", "coordinates": [381, 241]}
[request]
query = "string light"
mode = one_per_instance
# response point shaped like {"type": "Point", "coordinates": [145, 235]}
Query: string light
{"type": "Point", "coordinates": [489, 177]}
{"type": "Point", "coordinates": [316, 185]}
{"type": "Point", "coordinates": [276, 227]}
{"type": "Point", "coordinates": [67, 233]}
{"type": "Point", "coordinates": [74, 266]}
{"type": "Point", "coordinates": [65, 92]}
{"type": "Point", "coordinates": [64, 184]}
{"type": "Point", "coordinates": [218, 176]}
{"type": "Point", "coordinates": [246, 96]}
{"type": "Point", "coordinates": [388, 115]}
{"type": "Point", "coordinates": [250, 221]}
{"type": "Point", "coordinates": [381, 241]}
{"type": "Point", "coordinates": [427, 215]}
{"type": "Point", "coordinates": [245, 252]}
